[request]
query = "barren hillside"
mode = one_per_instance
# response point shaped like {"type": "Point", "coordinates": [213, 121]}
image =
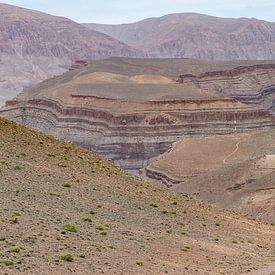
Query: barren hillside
{"type": "Point", "coordinates": [66, 210]}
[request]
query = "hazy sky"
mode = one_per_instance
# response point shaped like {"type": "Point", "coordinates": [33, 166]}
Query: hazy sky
{"type": "Point", "coordinates": [122, 11]}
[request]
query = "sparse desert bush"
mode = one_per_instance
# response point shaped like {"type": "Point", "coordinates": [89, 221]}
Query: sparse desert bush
{"type": "Point", "coordinates": [92, 212]}
{"type": "Point", "coordinates": [7, 262]}
{"type": "Point", "coordinates": [14, 219]}
{"type": "Point", "coordinates": [54, 194]}
{"type": "Point", "coordinates": [99, 227]}
{"type": "Point", "coordinates": [67, 185]}
{"type": "Point", "coordinates": [16, 213]}
{"type": "Point", "coordinates": [15, 249]}
{"type": "Point", "coordinates": [70, 227]}
{"type": "Point", "coordinates": [154, 205]}
{"type": "Point", "coordinates": [66, 257]}
{"type": "Point", "coordinates": [86, 218]}
{"type": "Point", "coordinates": [186, 247]}
{"type": "Point", "coordinates": [82, 255]}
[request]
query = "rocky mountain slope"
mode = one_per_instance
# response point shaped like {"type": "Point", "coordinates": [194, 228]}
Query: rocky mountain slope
{"type": "Point", "coordinates": [64, 211]}
{"type": "Point", "coordinates": [131, 110]}
{"type": "Point", "coordinates": [35, 46]}
{"type": "Point", "coordinates": [197, 36]}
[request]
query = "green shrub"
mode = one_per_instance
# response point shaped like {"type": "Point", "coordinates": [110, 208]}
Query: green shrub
{"type": "Point", "coordinates": [186, 247]}
{"type": "Point", "coordinates": [70, 228]}
{"type": "Point", "coordinates": [7, 262]}
{"type": "Point", "coordinates": [99, 227]}
{"type": "Point", "coordinates": [67, 185]}
{"type": "Point", "coordinates": [15, 249]}
{"type": "Point", "coordinates": [92, 212]}
{"type": "Point", "coordinates": [53, 194]}
{"type": "Point", "coordinates": [82, 255]}
{"type": "Point", "coordinates": [66, 257]}
{"type": "Point", "coordinates": [14, 219]}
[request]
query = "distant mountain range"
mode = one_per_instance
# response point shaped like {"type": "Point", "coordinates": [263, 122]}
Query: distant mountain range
{"type": "Point", "coordinates": [35, 46]}
{"type": "Point", "coordinates": [192, 35]}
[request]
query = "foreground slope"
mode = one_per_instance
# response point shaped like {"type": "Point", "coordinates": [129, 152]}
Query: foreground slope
{"type": "Point", "coordinates": [35, 46]}
{"type": "Point", "coordinates": [123, 224]}
{"type": "Point", "coordinates": [197, 36]}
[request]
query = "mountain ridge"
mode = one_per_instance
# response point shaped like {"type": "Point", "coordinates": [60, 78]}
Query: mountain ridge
{"type": "Point", "coordinates": [196, 35]}
{"type": "Point", "coordinates": [35, 46]}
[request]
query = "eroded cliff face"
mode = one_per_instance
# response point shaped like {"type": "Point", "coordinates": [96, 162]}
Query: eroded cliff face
{"type": "Point", "coordinates": [248, 84]}
{"type": "Point", "coordinates": [133, 137]}
{"type": "Point", "coordinates": [132, 117]}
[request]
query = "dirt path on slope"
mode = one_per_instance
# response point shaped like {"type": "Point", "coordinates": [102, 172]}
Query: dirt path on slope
{"type": "Point", "coordinates": [235, 151]}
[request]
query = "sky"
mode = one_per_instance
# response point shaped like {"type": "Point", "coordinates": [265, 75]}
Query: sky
{"type": "Point", "coordinates": [126, 11]}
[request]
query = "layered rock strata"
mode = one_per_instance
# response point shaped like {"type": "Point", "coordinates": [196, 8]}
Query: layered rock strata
{"type": "Point", "coordinates": [103, 112]}
{"type": "Point", "coordinates": [248, 84]}
{"type": "Point", "coordinates": [131, 110]}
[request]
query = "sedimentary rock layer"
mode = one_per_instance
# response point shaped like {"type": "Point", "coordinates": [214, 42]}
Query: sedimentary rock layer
{"type": "Point", "coordinates": [248, 84]}
{"type": "Point", "coordinates": [132, 110]}
{"type": "Point", "coordinates": [141, 130]}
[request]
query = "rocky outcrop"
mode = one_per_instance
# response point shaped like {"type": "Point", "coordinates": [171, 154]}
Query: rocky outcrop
{"type": "Point", "coordinates": [248, 84]}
